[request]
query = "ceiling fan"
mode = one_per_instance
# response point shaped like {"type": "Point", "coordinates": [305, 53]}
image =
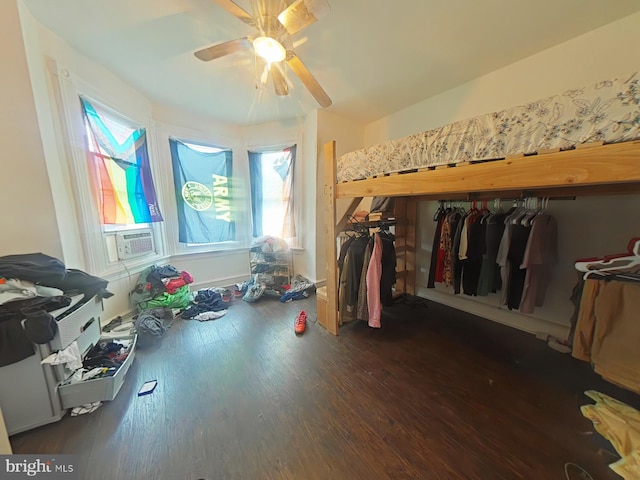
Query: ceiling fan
{"type": "Point", "coordinates": [275, 23]}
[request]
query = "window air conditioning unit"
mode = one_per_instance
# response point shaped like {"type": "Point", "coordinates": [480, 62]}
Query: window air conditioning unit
{"type": "Point", "coordinates": [135, 244]}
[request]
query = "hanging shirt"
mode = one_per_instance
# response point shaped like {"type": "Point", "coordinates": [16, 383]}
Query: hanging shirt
{"type": "Point", "coordinates": [447, 243]}
{"type": "Point", "coordinates": [354, 269]}
{"type": "Point", "coordinates": [434, 249]}
{"type": "Point", "coordinates": [608, 329]}
{"type": "Point", "coordinates": [539, 257]}
{"type": "Point", "coordinates": [502, 259]}
{"type": "Point", "coordinates": [445, 230]}
{"type": "Point", "coordinates": [519, 238]}
{"type": "Point", "coordinates": [490, 280]}
{"type": "Point", "coordinates": [457, 263]}
{"type": "Point", "coordinates": [374, 272]}
{"type": "Point", "coordinates": [344, 312]}
{"type": "Point", "coordinates": [464, 238]}
{"type": "Point", "coordinates": [388, 277]}
{"type": "Point", "coordinates": [475, 247]}
{"type": "Point", "coordinates": [362, 312]}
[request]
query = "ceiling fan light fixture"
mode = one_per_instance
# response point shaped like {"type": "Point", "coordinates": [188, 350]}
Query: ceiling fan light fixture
{"type": "Point", "coordinates": [270, 49]}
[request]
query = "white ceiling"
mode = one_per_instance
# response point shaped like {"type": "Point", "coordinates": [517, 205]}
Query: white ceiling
{"type": "Point", "coordinates": [372, 57]}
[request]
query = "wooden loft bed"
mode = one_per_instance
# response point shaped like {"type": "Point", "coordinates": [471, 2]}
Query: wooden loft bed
{"type": "Point", "coordinates": [590, 169]}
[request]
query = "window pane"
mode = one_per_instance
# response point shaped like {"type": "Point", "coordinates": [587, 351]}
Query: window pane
{"type": "Point", "coordinates": [274, 203]}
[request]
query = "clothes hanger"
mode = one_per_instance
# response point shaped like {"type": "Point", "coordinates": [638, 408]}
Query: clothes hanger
{"type": "Point", "coordinates": [516, 208]}
{"type": "Point", "coordinates": [612, 263]}
{"type": "Point", "coordinates": [534, 211]}
{"type": "Point", "coordinates": [497, 210]}
{"type": "Point", "coordinates": [631, 248]}
{"type": "Point", "coordinates": [517, 216]}
{"type": "Point", "coordinates": [438, 211]}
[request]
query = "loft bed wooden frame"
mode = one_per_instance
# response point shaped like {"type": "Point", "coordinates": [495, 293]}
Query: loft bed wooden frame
{"type": "Point", "coordinates": [589, 169]}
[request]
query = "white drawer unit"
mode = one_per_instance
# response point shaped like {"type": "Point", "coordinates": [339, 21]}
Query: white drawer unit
{"type": "Point", "coordinates": [87, 339]}
{"type": "Point", "coordinates": [74, 323]}
{"type": "Point", "coordinates": [36, 396]}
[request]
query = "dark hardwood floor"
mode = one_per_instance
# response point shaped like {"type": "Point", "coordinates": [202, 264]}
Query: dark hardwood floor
{"type": "Point", "coordinates": [434, 394]}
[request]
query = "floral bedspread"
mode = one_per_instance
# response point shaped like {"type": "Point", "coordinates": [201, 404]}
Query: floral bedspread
{"type": "Point", "coordinates": [608, 111]}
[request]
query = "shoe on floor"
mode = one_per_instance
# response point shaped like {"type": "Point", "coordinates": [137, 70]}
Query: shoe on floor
{"type": "Point", "coordinates": [301, 322]}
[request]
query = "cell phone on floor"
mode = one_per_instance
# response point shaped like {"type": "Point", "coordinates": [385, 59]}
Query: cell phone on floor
{"type": "Point", "coordinates": [147, 388]}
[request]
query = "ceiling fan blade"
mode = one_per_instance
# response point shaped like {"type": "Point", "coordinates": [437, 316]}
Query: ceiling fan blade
{"type": "Point", "coordinates": [222, 49]}
{"type": "Point", "coordinates": [236, 10]}
{"type": "Point", "coordinates": [302, 13]}
{"type": "Point", "coordinates": [279, 81]}
{"type": "Point", "coordinates": [308, 80]}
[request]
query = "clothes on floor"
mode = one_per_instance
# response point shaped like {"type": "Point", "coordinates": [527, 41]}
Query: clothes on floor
{"type": "Point", "coordinates": [161, 286]}
{"type": "Point", "coordinates": [84, 409]}
{"type": "Point", "coordinates": [209, 300]}
{"type": "Point", "coordinates": [620, 424]}
{"type": "Point", "coordinates": [152, 324]}
{"type": "Point", "coordinates": [204, 316]}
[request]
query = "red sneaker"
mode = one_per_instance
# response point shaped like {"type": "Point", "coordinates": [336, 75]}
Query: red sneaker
{"type": "Point", "coordinates": [301, 322]}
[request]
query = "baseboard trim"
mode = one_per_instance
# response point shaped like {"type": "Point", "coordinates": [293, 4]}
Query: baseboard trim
{"type": "Point", "coordinates": [496, 314]}
{"type": "Point", "coordinates": [219, 282]}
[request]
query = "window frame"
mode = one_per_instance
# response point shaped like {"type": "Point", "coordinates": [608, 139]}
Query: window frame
{"type": "Point", "coordinates": [164, 132]}
{"type": "Point", "coordinates": [94, 236]}
{"type": "Point", "coordinates": [298, 182]}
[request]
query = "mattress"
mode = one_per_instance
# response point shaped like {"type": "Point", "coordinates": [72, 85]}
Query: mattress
{"type": "Point", "coordinates": [608, 111]}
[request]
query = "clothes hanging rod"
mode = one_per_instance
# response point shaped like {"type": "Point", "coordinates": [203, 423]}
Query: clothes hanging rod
{"type": "Point", "coordinates": [476, 196]}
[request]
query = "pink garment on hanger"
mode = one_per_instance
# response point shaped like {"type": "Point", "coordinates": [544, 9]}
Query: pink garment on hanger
{"type": "Point", "coordinates": [374, 272]}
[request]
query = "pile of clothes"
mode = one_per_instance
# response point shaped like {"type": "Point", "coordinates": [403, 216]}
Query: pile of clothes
{"type": "Point", "coordinates": [152, 324]}
{"type": "Point", "coordinates": [161, 286]}
{"type": "Point", "coordinates": [31, 286]}
{"type": "Point", "coordinates": [105, 358]}
{"type": "Point", "coordinates": [262, 284]}
{"type": "Point", "coordinates": [208, 304]}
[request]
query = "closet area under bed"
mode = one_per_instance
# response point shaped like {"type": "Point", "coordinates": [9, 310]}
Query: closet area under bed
{"type": "Point", "coordinates": [580, 142]}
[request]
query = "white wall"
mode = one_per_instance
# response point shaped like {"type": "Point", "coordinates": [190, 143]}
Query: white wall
{"type": "Point", "coordinates": [48, 54]}
{"type": "Point", "coordinates": [310, 221]}
{"type": "Point", "coordinates": [588, 227]}
{"type": "Point", "coordinates": [349, 136]}
{"type": "Point", "coordinates": [597, 55]}
{"type": "Point", "coordinates": [28, 213]}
